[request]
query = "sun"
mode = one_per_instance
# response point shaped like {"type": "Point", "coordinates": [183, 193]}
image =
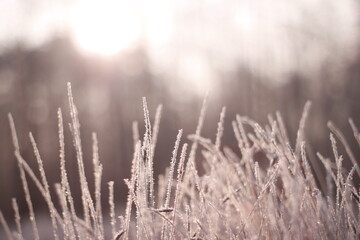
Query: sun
{"type": "Point", "coordinates": [105, 27]}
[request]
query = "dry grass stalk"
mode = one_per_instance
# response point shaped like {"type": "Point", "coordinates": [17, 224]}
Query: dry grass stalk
{"type": "Point", "coordinates": [234, 198]}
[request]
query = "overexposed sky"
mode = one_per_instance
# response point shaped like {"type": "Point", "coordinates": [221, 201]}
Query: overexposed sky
{"type": "Point", "coordinates": [32, 21]}
{"type": "Point", "coordinates": [195, 39]}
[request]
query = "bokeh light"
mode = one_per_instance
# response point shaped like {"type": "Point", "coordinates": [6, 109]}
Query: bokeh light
{"type": "Point", "coordinates": [105, 27]}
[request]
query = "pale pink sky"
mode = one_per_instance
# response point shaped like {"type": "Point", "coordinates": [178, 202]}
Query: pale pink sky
{"type": "Point", "coordinates": [194, 39]}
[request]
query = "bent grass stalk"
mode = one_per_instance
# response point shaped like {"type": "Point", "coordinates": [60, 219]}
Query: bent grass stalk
{"type": "Point", "coordinates": [234, 198]}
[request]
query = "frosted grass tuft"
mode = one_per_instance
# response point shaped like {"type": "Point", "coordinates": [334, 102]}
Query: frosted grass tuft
{"type": "Point", "coordinates": [234, 197]}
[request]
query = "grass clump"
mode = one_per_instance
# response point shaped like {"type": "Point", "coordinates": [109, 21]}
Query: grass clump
{"type": "Point", "coordinates": [235, 197]}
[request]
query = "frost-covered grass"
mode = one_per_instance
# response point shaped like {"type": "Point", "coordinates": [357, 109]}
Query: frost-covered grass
{"type": "Point", "coordinates": [235, 197]}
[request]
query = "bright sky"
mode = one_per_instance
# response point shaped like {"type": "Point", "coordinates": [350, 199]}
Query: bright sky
{"type": "Point", "coordinates": [194, 39]}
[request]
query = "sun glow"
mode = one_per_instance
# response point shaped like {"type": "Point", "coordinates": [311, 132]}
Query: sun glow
{"type": "Point", "coordinates": [106, 27]}
{"type": "Point", "coordinates": [273, 39]}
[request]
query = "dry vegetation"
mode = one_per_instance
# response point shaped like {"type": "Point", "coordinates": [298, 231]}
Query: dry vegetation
{"type": "Point", "coordinates": [235, 197]}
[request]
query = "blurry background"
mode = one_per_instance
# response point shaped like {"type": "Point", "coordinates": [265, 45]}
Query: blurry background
{"type": "Point", "coordinates": [255, 57]}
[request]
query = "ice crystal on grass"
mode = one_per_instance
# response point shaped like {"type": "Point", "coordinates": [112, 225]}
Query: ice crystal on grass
{"type": "Point", "coordinates": [236, 197]}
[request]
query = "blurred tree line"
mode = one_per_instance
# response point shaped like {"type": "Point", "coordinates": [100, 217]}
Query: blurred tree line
{"type": "Point", "coordinates": [108, 94]}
